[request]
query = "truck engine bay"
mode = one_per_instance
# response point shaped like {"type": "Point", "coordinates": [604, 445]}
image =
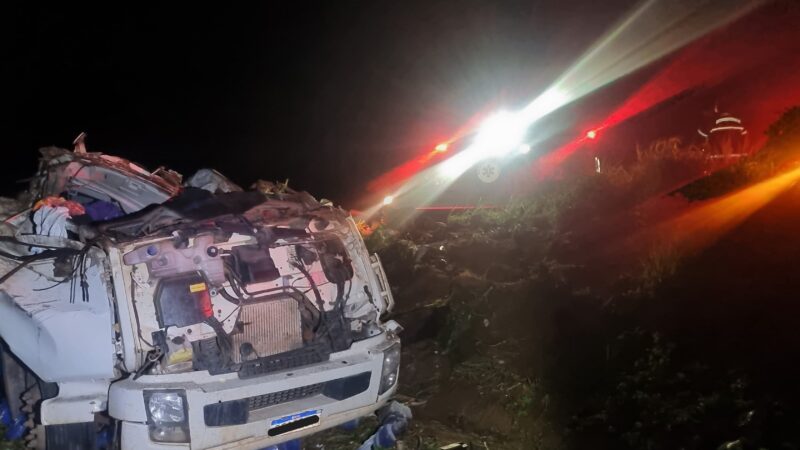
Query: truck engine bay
{"type": "Point", "coordinates": [247, 297]}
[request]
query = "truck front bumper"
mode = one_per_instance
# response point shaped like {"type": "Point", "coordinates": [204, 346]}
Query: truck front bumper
{"type": "Point", "coordinates": [287, 393]}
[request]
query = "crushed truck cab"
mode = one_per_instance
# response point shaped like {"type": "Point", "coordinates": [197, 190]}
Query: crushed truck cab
{"type": "Point", "coordinates": [193, 314]}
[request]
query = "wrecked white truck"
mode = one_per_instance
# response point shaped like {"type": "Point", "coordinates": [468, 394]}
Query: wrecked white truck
{"type": "Point", "coordinates": [186, 315]}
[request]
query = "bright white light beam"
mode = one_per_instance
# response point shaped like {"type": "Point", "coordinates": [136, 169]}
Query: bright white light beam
{"type": "Point", "coordinates": [498, 135]}
{"type": "Point", "coordinates": [653, 30]}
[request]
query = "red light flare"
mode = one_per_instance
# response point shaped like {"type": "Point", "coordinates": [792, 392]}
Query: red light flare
{"type": "Point", "coordinates": [754, 58]}
{"type": "Point", "coordinates": [389, 180]}
{"type": "Point", "coordinates": [764, 36]}
{"type": "Point", "coordinates": [408, 169]}
{"type": "Point", "coordinates": [548, 163]}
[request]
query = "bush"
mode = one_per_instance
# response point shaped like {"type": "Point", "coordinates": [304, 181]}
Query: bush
{"type": "Point", "coordinates": [782, 148]}
{"type": "Point", "coordinates": [654, 402]}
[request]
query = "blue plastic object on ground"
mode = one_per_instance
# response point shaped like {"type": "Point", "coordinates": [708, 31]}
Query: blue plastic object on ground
{"type": "Point", "coordinates": [104, 437]}
{"type": "Point", "coordinates": [394, 420]}
{"type": "Point", "coordinates": [5, 413]}
{"type": "Point", "coordinates": [16, 430]}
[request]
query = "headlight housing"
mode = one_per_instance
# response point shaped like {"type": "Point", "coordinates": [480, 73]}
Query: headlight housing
{"type": "Point", "coordinates": [167, 417]}
{"type": "Point", "coordinates": [391, 364]}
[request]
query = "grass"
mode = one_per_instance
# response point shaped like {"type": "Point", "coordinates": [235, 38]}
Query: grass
{"type": "Point", "coordinates": [657, 266]}
{"type": "Point", "coordinates": [521, 394]}
{"type": "Point", "coordinates": [9, 445]}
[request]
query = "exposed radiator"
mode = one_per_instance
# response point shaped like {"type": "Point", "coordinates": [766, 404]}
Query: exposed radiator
{"type": "Point", "coordinates": [270, 327]}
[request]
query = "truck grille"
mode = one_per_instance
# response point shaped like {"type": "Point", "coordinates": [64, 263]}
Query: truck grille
{"type": "Point", "coordinates": [275, 398]}
{"type": "Point", "coordinates": [237, 412]}
{"type": "Point", "coordinates": [269, 328]}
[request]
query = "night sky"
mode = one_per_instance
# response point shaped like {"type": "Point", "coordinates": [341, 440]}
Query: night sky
{"type": "Point", "coordinates": [328, 94]}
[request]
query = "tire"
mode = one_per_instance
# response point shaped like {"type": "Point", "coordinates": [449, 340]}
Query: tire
{"type": "Point", "coordinates": [25, 391]}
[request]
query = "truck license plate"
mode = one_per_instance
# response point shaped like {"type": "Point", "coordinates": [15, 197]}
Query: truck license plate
{"type": "Point", "coordinates": [294, 422]}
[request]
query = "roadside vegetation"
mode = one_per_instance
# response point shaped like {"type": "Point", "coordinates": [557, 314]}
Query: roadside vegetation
{"type": "Point", "coordinates": [558, 322]}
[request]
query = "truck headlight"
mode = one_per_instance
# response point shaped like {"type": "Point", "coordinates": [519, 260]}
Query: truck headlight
{"type": "Point", "coordinates": [166, 415]}
{"type": "Point", "coordinates": [391, 364]}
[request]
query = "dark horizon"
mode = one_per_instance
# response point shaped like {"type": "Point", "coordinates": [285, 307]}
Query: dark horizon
{"type": "Point", "coordinates": [326, 96]}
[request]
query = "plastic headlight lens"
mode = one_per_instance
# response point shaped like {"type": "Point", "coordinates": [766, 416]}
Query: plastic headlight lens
{"type": "Point", "coordinates": [166, 413]}
{"type": "Point", "coordinates": [166, 407]}
{"type": "Point", "coordinates": [391, 363]}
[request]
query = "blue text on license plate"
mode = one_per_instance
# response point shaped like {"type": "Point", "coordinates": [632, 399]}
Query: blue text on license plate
{"type": "Point", "coordinates": [294, 417]}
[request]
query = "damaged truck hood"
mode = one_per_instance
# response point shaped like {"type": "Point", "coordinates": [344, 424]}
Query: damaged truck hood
{"type": "Point", "coordinates": [180, 277]}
